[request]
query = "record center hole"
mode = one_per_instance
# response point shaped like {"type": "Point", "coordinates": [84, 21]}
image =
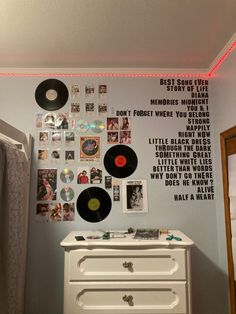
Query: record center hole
{"type": "Point", "coordinates": [51, 94]}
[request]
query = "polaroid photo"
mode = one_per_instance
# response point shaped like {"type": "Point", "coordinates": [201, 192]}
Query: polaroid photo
{"type": "Point", "coordinates": [42, 212]}
{"type": "Point", "coordinates": [102, 91]}
{"type": "Point", "coordinates": [74, 91]}
{"type": "Point", "coordinates": [55, 212]}
{"type": "Point", "coordinates": [89, 90]}
{"type": "Point", "coordinates": [69, 156]}
{"type": "Point", "coordinates": [68, 211]}
{"type": "Point", "coordinates": [56, 137]}
{"type": "Point", "coordinates": [125, 137]}
{"type": "Point", "coordinates": [95, 175]}
{"type": "Point", "coordinates": [69, 138]}
{"type": "Point", "coordinates": [112, 137]}
{"type": "Point", "coordinates": [83, 175]}
{"type": "Point", "coordinates": [56, 155]}
{"type": "Point", "coordinates": [75, 109]}
{"type": "Point", "coordinates": [102, 109]}
{"type": "Point", "coordinates": [43, 138]}
{"type": "Point", "coordinates": [39, 120]}
{"type": "Point", "coordinates": [43, 155]}
{"type": "Point", "coordinates": [89, 108]}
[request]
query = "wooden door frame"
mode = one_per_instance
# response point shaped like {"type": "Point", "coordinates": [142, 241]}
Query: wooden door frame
{"type": "Point", "coordinates": [224, 136]}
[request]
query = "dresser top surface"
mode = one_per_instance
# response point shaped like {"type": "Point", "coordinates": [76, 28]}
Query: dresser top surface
{"type": "Point", "coordinates": [119, 239]}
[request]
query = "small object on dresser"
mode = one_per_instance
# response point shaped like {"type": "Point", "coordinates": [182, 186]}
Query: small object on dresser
{"type": "Point", "coordinates": [106, 236]}
{"type": "Point", "coordinates": [147, 234]}
{"type": "Point", "coordinates": [79, 238]}
{"type": "Point", "coordinates": [93, 237]}
{"type": "Point", "coordinates": [130, 230]}
{"type": "Point", "coordinates": [171, 237]}
{"type": "Point", "coordinates": [164, 231]}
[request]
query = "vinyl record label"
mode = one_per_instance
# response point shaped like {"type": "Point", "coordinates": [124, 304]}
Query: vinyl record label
{"type": "Point", "coordinates": [120, 161]}
{"type": "Point", "coordinates": [51, 94]}
{"type": "Point", "coordinates": [94, 204]}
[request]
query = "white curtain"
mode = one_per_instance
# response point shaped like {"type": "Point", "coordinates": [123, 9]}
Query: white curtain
{"type": "Point", "coordinates": [13, 228]}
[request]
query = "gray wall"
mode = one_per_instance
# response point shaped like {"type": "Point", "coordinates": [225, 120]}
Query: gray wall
{"type": "Point", "coordinates": [200, 220]}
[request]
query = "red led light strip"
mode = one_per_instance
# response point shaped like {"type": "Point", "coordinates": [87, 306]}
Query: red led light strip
{"type": "Point", "coordinates": [97, 74]}
{"type": "Point", "coordinates": [222, 59]}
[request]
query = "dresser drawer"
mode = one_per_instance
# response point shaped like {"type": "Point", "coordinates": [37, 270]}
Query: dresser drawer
{"type": "Point", "coordinates": [156, 264]}
{"type": "Point", "coordinates": [124, 298]}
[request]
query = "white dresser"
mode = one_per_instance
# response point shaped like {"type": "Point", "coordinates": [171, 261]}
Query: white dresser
{"type": "Point", "coordinates": [125, 275]}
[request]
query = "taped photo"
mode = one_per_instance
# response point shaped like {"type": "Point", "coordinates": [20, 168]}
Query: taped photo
{"type": "Point", "coordinates": [134, 194]}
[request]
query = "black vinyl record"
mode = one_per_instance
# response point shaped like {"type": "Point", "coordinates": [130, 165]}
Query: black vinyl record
{"type": "Point", "coordinates": [94, 204]}
{"type": "Point", "coordinates": [120, 161]}
{"type": "Point", "coordinates": [51, 94]}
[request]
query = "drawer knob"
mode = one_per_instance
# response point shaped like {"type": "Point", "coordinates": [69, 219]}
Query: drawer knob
{"type": "Point", "coordinates": [128, 265]}
{"type": "Point", "coordinates": [128, 299]}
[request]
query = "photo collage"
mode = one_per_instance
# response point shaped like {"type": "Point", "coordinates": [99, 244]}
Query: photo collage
{"type": "Point", "coordinates": [70, 149]}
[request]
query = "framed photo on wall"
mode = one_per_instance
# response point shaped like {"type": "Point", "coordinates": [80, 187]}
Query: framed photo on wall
{"type": "Point", "coordinates": [134, 194]}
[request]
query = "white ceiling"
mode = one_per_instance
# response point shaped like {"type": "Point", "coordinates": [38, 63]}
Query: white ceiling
{"type": "Point", "coordinates": [185, 34]}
